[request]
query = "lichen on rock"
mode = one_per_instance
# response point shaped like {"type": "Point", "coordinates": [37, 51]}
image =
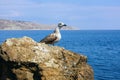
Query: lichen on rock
{"type": "Point", "coordinates": [25, 59]}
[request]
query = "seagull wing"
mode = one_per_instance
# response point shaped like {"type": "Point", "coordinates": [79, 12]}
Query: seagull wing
{"type": "Point", "coordinates": [49, 39]}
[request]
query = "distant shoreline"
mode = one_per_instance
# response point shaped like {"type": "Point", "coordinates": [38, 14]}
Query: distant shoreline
{"type": "Point", "coordinates": [33, 30]}
{"type": "Point", "coordinates": [25, 25]}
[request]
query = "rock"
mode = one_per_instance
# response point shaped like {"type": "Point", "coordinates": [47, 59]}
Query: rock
{"type": "Point", "coordinates": [25, 59]}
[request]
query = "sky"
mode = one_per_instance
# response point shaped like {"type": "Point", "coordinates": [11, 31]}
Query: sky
{"type": "Point", "coordinates": [83, 14]}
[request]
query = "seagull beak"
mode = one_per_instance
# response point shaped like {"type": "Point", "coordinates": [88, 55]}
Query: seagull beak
{"type": "Point", "coordinates": [64, 25]}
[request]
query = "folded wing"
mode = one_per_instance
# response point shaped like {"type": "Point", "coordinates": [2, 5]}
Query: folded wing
{"type": "Point", "coordinates": [49, 39]}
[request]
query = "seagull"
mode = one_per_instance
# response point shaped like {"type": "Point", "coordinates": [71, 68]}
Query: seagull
{"type": "Point", "coordinates": [55, 36]}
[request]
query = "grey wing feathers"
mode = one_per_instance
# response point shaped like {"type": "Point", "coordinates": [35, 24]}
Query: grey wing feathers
{"type": "Point", "coordinates": [49, 39]}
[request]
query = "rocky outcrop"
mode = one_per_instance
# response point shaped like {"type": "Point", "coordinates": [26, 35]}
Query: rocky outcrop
{"type": "Point", "coordinates": [25, 59]}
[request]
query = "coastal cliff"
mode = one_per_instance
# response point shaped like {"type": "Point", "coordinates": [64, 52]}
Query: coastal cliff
{"type": "Point", "coordinates": [25, 59]}
{"type": "Point", "coordinates": [27, 25]}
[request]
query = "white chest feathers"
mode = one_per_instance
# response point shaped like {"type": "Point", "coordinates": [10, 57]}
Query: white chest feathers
{"type": "Point", "coordinates": [57, 34]}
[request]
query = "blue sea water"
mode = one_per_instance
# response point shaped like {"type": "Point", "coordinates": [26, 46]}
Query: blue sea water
{"type": "Point", "coordinates": [102, 47]}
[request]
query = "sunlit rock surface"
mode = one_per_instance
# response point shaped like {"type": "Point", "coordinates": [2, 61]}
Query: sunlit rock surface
{"type": "Point", "coordinates": [25, 59]}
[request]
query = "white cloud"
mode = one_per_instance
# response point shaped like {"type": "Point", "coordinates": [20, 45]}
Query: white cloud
{"type": "Point", "coordinates": [11, 14]}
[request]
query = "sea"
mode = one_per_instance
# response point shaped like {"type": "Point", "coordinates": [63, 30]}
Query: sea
{"type": "Point", "coordinates": [102, 47]}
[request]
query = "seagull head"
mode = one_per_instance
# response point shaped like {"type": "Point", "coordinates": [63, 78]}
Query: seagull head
{"type": "Point", "coordinates": [61, 24]}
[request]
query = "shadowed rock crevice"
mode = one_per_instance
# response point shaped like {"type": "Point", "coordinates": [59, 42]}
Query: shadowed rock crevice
{"type": "Point", "coordinates": [6, 71]}
{"type": "Point", "coordinates": [15, 71]}
{"type": "Point", "coordinates": [25, 59]}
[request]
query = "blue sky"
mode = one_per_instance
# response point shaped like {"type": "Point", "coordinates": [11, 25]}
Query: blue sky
{"type": "Point", "coordinates": [84, 14]}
